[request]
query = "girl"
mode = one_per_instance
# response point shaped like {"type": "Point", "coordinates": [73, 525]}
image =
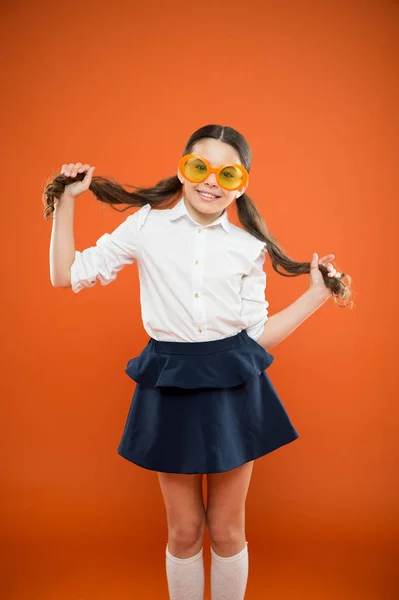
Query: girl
{"type": "Point", "coordinates": [203, 402]}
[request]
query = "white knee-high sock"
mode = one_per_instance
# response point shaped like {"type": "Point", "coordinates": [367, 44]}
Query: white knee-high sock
{"type": "Point", "coordinates": [229, 575]}
{"type": "Point", "coordinates": [185, 576]}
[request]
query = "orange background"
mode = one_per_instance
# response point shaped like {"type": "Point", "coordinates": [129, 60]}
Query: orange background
{"type": "Point", "coordinates": [314, 88]}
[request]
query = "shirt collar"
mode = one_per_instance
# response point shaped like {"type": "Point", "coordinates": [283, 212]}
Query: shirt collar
{"type": "Point", "coordinates": [180, 209]}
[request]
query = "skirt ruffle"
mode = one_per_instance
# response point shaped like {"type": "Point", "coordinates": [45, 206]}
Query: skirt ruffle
{"type": "Point", "coordinates": [224, 369]}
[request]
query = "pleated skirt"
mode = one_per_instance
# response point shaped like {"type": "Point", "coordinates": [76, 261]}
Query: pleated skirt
{"type": "Point", "coordinates": [203, 407]}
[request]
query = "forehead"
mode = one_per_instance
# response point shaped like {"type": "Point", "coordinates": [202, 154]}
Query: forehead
{"type": "Point", "coordinates": [216, 152]}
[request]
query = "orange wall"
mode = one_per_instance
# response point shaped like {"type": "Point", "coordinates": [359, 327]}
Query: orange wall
{"type": "Point", "coordinates": [314, 89]}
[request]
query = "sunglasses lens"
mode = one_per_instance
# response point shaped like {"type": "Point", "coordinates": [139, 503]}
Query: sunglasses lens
{"type": "Point", "coordinates": [231, 177]}
{"type": "Point", "coordinates": [195, 169]}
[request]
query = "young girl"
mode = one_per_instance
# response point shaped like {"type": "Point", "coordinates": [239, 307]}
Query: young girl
{"type": "Point", "coordinates": [203, 402]}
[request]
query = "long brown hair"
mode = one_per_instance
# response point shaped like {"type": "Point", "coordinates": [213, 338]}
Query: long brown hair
{"type": "Point", "coordinates": [168, 190]}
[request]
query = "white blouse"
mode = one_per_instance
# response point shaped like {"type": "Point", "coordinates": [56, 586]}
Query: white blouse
{"type": "Point", "coordinates": [197, 282]}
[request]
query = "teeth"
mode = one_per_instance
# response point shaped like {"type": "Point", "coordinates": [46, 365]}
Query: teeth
{"type": "Point", "coordinates": [206, 195]}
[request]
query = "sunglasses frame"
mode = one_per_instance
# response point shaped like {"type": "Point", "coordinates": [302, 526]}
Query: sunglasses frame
{"type": "Point", "coordinates": [216, 170]}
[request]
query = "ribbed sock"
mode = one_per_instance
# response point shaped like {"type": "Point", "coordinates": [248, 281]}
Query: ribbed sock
{"type": "Point", "coordinates": [185, 576]}
{"type": "Point", "coordinates": [229, 575]}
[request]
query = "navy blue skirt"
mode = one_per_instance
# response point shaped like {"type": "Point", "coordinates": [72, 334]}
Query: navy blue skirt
{"type": "Point", "coordinates": [203, 407]}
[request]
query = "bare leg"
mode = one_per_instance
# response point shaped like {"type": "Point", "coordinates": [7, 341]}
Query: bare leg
{"type": "Point", "coordinates": [186, 519]}
{"type": "Point", "coordinates": [227, 494]}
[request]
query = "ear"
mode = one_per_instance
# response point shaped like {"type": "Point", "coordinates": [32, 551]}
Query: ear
{"type": "Point", "coordinates": [241, 192]}
{"type": "Point", "coordinates": [180, 177]}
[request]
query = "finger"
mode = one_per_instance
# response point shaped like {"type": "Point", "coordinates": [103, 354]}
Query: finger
{"type": "Point", "coordinates": [74, 170]}
{"type": "Point", "coordinates": [68, 169]}
{"type": "Point", "coordinates": [314, 262]}
{"type": "Point", "coordinates": [89, 174]}
{"type": "Point", "coordinates": [326, 258]}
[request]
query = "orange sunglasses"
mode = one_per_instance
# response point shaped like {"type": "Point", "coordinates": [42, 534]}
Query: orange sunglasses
{"type": "Point", "coordinates": [196, 168]}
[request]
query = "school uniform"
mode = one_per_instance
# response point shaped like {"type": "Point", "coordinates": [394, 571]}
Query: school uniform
{"type": "Point", "coordinates": [203, 401]}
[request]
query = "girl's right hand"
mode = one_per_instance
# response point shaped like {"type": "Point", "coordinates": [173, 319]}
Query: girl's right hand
{"type": "Point", "coordinates": [78, 187]}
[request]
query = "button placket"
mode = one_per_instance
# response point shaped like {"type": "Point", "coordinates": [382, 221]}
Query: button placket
{"type": "Point", "coordinates": [197, 278]}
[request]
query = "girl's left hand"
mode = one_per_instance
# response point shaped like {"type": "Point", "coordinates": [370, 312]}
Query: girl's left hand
{"type": "Point", "coordinates": [316, 278]}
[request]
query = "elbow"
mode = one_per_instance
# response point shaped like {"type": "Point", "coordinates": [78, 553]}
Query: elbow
{"type": "Point", "coordinates": [61, 282]}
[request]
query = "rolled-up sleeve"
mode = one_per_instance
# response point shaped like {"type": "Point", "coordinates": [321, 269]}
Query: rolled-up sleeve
{"type": "Point", "coordinates": [111, 253]}
{"type": "Point", "coordinates": [254, 304]}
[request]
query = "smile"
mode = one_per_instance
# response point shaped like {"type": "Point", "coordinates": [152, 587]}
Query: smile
{"type": "Point", "coordinates": [206, 196]}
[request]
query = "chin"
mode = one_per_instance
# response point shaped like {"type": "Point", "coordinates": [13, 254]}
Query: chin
{"type": "Point", "coordinates": [210, 208]}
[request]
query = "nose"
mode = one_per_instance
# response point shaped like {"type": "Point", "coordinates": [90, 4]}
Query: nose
{"type": "Point", "coordinates": [211, 179]}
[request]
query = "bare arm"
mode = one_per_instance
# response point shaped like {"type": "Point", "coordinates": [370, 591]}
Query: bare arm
{"type": "Point", "coordinates": [280, 325]}
{"type": "Point", "coordinates": [62, 243]}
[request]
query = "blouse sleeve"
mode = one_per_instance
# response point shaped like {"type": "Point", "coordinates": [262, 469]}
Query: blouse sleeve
{"type": "Point", "coordinates": [254, 304]}
{"type": "Point", "coordinates": [110, 254]}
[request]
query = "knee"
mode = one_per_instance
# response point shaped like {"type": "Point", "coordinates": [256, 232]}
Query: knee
{"type": "Point", "coordinates": [226, 537]}
{"type": "Point", "coordinates": [226, 531]}
{"type": "Point", "coordinates": [187, 534]}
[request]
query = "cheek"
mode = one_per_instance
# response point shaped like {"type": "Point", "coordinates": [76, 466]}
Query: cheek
{"type": "Point", "coordinates": [188, 187]}
{"type": "Point", "coordinates": [229, 196]}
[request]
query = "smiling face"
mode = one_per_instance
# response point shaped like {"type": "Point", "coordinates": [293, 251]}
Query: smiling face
{"type": "Point", "coordinates": [205, 211]}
